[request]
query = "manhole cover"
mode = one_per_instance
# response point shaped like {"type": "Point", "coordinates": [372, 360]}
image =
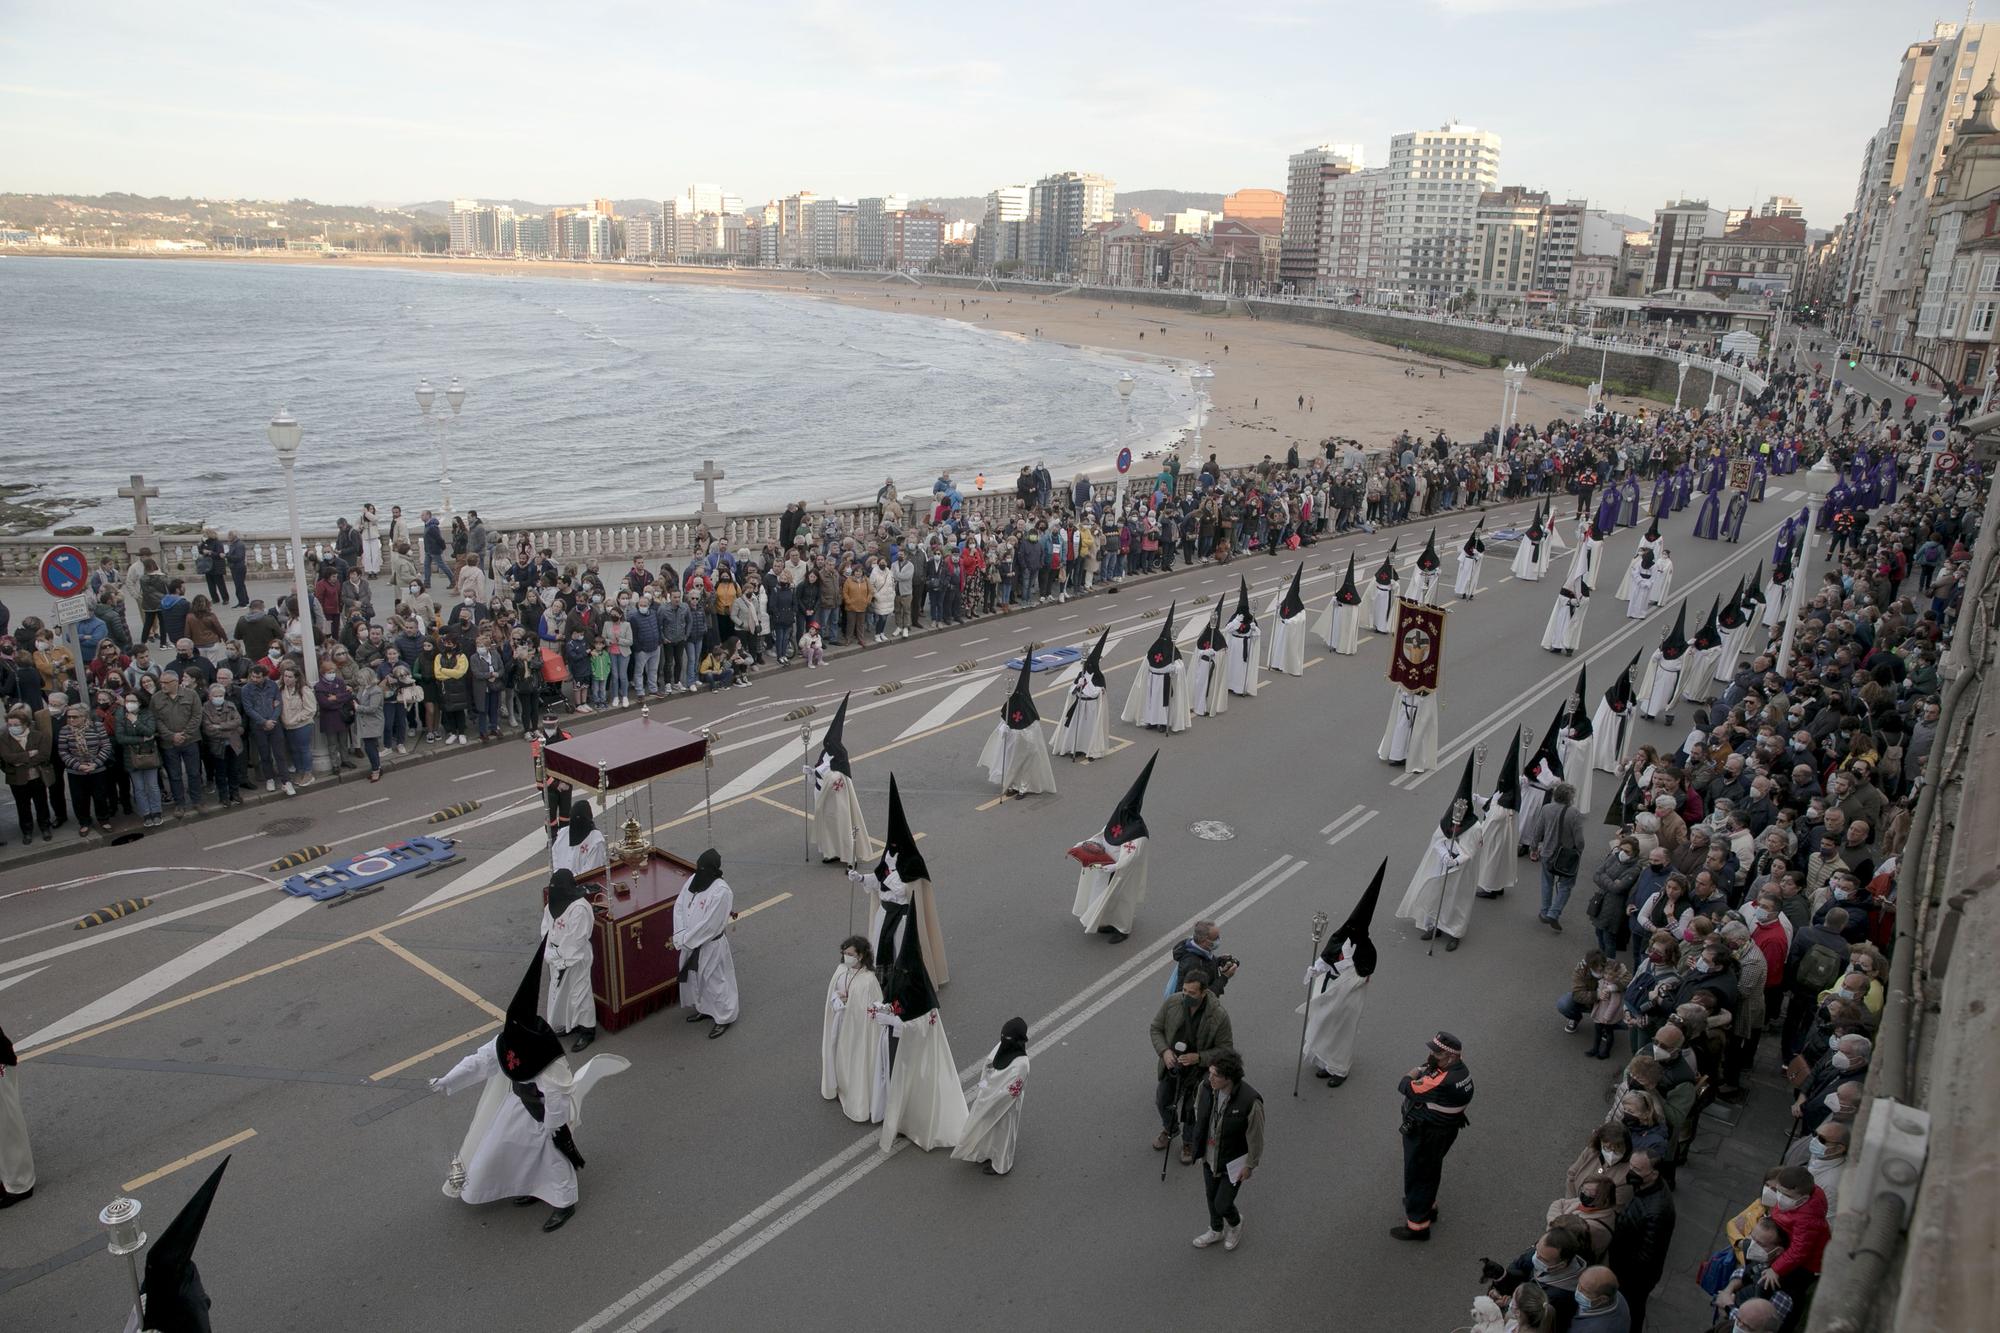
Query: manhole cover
{"type": "Point", "coordinates": [285, 828]}
{"type": "Point", "coordinates": [1211, 830]}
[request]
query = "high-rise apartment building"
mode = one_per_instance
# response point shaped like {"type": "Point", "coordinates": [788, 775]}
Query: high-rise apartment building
{"type": "Point", "coordinates": [591, 234]}
{"type": "Point", "coordinates": [642, 236]}
{"type": "Point", "coordinates": [999, 240]}
{"type": "Point", "coordinates": [1435, 180]}
{"type": "Point", "coordinates": [1678, 229]}
{"type": "Point", "coordinates": [871, 232]}
{"type": "Point", "coordinates": [790, 241]}
{"type": "Point", "coordinates": [531, 235]}
{"type": "Point", "coordinates": [1059, 208]}
{"type": "Point", "coordinates": [913, 238]}
{"type": "Point", "coordinates": [1353, 257]}
{"type": "Point", "coordinates": [1308, 174]}
{"type": "Point", "coordinates": [603, 206]}
{"type": "Point", "coordinates": [1508, 227]}
{"type": "Point", "coordinates": [702, 198]}
{"type": "Point", "coordinates": [1562, 234]}
{"type": "Point", "coordinates": [1885, 172]}
{"type": "Point", "coordinates": [479, 229]}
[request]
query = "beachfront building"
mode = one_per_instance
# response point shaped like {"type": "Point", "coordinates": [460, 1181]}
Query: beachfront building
{"type": "Point", "coordinates": [1353, 258]}
{"type": "Point", "coordinates": [999, 240]}
{"type": "Point", "coordinates": [1562, 236]}
{"type": "Point", "coordinates": [1308, 176]}
{"type": "Point", "coordinates": [871, 228]}
{"type": "Point", "coordinates": [1508, 227]}
{"type": "Point", "coordinates": [1954, 328]}
{"type": "Point", "coordinates": [1678, 230]}
{"type": "Point", "coordinates": [1242, 256]}
{"type": "Point", "coordinates": [481, 229]}
{"type": "Point", "coordinates": [1435, 180]}
{"type": "Point", "coordinates": [531, 236]}
{"type": "Point", "coordinates": [591, 234]}
{"type": "Point", "coordinates": [643, 235]}
{"type": "Point", "coordinates": [913, 238]}
{"type": "Point", "coordinates": [1254, 205]}
{"type": "Point", "coordinates": [1886, 169]}
{"type": "Point", "coordinates": [1765, 254]}
{"type": "Point", "coordinates": [1059, 208]}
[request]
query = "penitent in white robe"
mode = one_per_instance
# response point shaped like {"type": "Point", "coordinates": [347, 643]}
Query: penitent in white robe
{"type": "Point", "coordinates": [840, 830]}
{"type": "Point", "coordinates": [566, 959]}
{"type": "Point", "coordinates": [1339, 627]}
{"type": "Point", "coordinates": [1535, 790]}
{"type": "Point", "coordinates": [580, 861]}
{"type": "Point", "coordinates": [1207, 696]}
{"type": "Point", "coordinates": [1640, 601]}
{"type": "Point", "coordinates": [1497, 868]}
{"type": "Point", "coordinates": [1698, 676]}
{"type": "Point", "coordinates": [1018, 761]}
{"type": "Point", "coordinates": [1440, 893]}
{"type": "Point", "coordinates": [1564, 632]}
{"type": "Point", "coordinates": [1411, 738]}
{"type": "Point", "coordinates": [1421, 587]}
{"type": "Point", "coordinates": [1609, 730]}
{"type": "Point", "coordinates": [17, 1158]}
{"type": "Point", "coordinates": [853, 1052]}
{"type": "Point", "coordinates": [1109, 895]}
{"type": "Point", "coordinates": [1530, 560]}
{"type": "Point", "coordinates": [1663, 680]}
{"type": "Point", "coordinates": [1466, 583]}
{"type": "Point", "coordinates": [506, 1152]}
{"type": "Point", "coordinates": [926, 1103]}
{"type": "Point", "coordinates": [1732, 649]}
{"type": "Point", "coordinates": [1776, 603]}
{"type": "Point", "coordinates": [993, 1122]}
{"type": "Point", "coordinates": [1663, 578]}
{"type": "Point", "coordinates": [1084, 729]}
{"type": "Point", "coordinates": [1158, 697]}
{"type": "Point", "coordinates": [1587, 561]}
{"type": "Point", "coordinates": [1288, 644]}
{"type": "Point", "coordinates": [1240, 668]}
{"type": "Point", "coordinates": [1333, 1013]}
{"type": "Point", "coordinates": [1382, 608]}
{"type": "Point", "coordinates": [1576, 767]}
{"type": "Point", "coordinates": [701, 921]}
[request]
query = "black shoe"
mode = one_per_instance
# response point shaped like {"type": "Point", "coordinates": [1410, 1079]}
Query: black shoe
{"type": "Point", "coordinates": [1428, 934]}
{"type": "Point", "coordinates": [717, 1030]}
{"type": "Point", "coordinates": [986, 1169]}
{"type": "Point", "coordinates": [1335, 1080]}
{"type": "Point", "coordinates": [525, 1200]}
{"type": "Point", "coordinates": [1553, 924]}
{"type": "Point", "coordinates": [1488, 894]}
{"type": "Point", "coordinates": [9, 1200]}
{"type": "Point", "coordinates": [1571, 1025]}
{"type": "Point", "coordinates": [558, 1217]}
{"type": "Point", "coordinates": [1407, 1232]}
{"type": "Point", "coordinates": [583, 1039]}
{"type": "Point", "coordinates": [696, 1017]}
{"type": "Point", "coordinates": [1450, 943]}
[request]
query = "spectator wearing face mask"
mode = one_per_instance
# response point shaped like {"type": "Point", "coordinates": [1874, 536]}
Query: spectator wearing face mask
{"type": "Point", "coordinates": [1816, 960]}
{"type": "Point", "coordinates": [1846, 1062]}
{"type": "Point", "coordinates": [222, 735]}
{"type": "Point", "coordinates": [1644, 1234]}
{"type": "Point", "coordinates": [1602, 1162]}
{"type": "Point", "coordinates": [1600, 1306]}
{"type": "Point", "coordinates": [1745, 1287]}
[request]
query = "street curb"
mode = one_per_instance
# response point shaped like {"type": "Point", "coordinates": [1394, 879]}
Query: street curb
{"type": "Point", "coordinates": [577, 722]}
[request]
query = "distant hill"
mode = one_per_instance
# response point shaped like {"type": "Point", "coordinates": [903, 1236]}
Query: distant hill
{"type": "Point", "coordinates": [124, 218]}
{"type": "Point", "coordinates": [441, 208]}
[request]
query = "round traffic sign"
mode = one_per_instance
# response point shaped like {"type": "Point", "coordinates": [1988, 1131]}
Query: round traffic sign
{"type": "Point", "coordinates": [1938, 436]}
{"type": "Point", "coordinates": [64, 571]}
{"type": "Point", "coordinates": [1124, 460]}
{"type": "Point", "coordinates": [1947, 462]}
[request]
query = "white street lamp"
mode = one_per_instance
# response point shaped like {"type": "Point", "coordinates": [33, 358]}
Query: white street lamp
{"type": "Point", "coordinates": [1820, 478]}
{"type": "Point", "coordinates": [1201, 375]}
{"type": "Point", "coordinates": [1683, 366]}
{"type": "Point", "coordinates": [1125, 386]}
{"type": "Point", "coordinates": [441, 427]}
{"type": "Point", "coordinates": [285, 434]}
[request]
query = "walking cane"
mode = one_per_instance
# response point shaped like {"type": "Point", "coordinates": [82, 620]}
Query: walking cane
{"type": "Point", "coordinates": [1437, 916]}
{"type": "Point", "coordinates": [805, 745]}
{"type": "Point", "coordinates": [1319, 924]}
{"type": "Point", "coordinates": [1180, 1110]}
{"type": "Point", "coordinates": [708, 782]}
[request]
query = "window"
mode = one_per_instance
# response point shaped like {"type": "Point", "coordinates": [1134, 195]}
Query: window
{"type": "Point", "coordinates": [1989, 275]}
{"type": "Point", "coordinates": [1982, 319]}
{"type": "Point", "coordinates": [1960, 272]}
{"type": "Point", "coordinates": [1952, 311]}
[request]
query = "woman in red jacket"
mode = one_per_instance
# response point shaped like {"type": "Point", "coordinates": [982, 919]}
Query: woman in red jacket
{"type": "Point", "coordinates": [1799, 1206]}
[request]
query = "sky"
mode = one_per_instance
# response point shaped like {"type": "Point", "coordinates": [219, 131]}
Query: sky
{"type": "Point", "coordinates": [1624, 103]}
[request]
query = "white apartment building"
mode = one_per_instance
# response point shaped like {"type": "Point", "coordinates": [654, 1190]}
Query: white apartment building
{"type": "Point", "coordinates": [1678, 229]}
{"type": "Point", "coordinates": [1308, 175]}
{"type": "Point", "coordinates": [1885, 169]}
{"type": "Point", "coordinates": [999, 240]}
{"type": "Point", "coordinates": [1782, 206]}
{"type": "Point", "coordinates": [871, 231]}
{"type": "Point", "coordinates": [1059, 208]}
{"type": "Point", "coordinates": [642, 236]}
{"type": "Point", "coordinates": [1507, 239]}
{"type": "Point", "coordinates": [1435, 180]}
{"type": "Point", "coordinates": [1562, 233]}
{"type": "Point", "coordinates": [1353, 256]}
{"type": "Point", "coordinates": [590, 234]}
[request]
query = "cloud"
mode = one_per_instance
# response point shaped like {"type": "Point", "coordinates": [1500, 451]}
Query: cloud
{"type": "Point", "coordinates": [1488, 8]}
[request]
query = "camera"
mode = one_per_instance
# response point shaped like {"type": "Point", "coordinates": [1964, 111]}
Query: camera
{"type": "Point", "coordinates": [1225, 960]}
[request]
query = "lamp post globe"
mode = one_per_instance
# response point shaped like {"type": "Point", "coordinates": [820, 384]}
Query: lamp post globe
{"type": "Point", "coordinates": [426, 395]}
{"type": "Point", "coordinates": [454, 394]}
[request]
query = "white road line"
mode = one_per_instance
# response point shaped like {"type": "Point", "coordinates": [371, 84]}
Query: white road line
{"type": "Point", "coordinates": [5, 982]}
{"type": "Point", "coordinates": [676, 721]}
{"type": "Point", "coordinates": [789, 752]}
{"type": "Point", "coordinates": [1120, 980]}
{"type": "Point", "coordinates": [1342, 820]}
{"type": "Point", "coordinates": [218, 846]}
{"type": "Point", "coordinates": [1078, 616]}
{"type": "Point", "coordinates": [946, 709]}
{"type": "Point", "coordinates": [348, 810]}
{"type": "Point", "coordinates": [470, 776]}
{"type": "Point", "coordinates": [176, 970]}
{"type": "Point", "coordinates": [877, 667]}
{"type": "Point", "coordinates": [921, 656]}
{"type": "Point", "coordinates": [105, 934]}
{"type": "Point", "coordinates": [969, 642]}
{"type": "Point", "coordinates": [488, 871]}
{"type": "Point", "coordinates": [1355, 826]}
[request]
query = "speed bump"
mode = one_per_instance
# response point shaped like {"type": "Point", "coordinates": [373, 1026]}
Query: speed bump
{"type": "Point", "coordinates": [299, 857]}
{"type": "Point", "coordinates": [449, 813]}
{"type": "Point", "coordinates": [803, 710]}
{"type": "Point", "coordinates": [889, 687]}
{"type": "Point", "coordinates": [123, 907]}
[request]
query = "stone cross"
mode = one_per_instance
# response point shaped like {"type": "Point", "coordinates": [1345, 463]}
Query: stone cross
{"type": "Point", "coordinates": [708, 474]}
{"type": "Point", "coordinates": [142, 522]}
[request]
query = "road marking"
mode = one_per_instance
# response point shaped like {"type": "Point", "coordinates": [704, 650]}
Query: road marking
{"type": "Point", "coordinates": [450, 983]}
{"type": "Point", "coordinates": [20, 977]}
{"type": "Point", "coordinates": [1139, 966]}
{"type": "Point", "coordinates": [789, 752]}
{"type": "Point", "coordinates": [101, 935]}
{"type": "Point", "coordinates": [945, 709]}
{"type": "Point", "coordinates": [877, 667]}
{"type": "Point", "coordinates": [970, 642]}
{"type": "Point", "coordinates": [1353, 827]}
{"type": "Point", "coordinates": [921, 656]}
{"type": "Point", "coordinates": [768, 902]}
{"type": "Point", "coordinates": [218, 846]}
{"type": "Point", "coordinates": [348, 810]}
{"type": "Point", "coordinates": [174, 971]}
{"type": "Point", "coordinates": [179, 1163]}
{"type": "Point", "coordinates": [432, 1052]}
{"type": "Point", "coordinates": [778, 805]}
{"type": "Point", "coordinates": [1066, 619]}
{"type": "Point", "coordinates": [676, 721]}
{"type": "Point", "coordinates": [1342, 820]}
{"type": "Point", "coordinates": [483, 874]}
{"type": "Point", "coordinates": [470, 776]}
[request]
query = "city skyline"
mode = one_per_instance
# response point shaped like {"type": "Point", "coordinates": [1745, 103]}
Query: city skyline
{"type": "Point", "coordinates": [854, 102]}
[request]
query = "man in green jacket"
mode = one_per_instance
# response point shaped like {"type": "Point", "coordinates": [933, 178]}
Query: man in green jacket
{"type": "Point", "coordinates": [1191, 1027]}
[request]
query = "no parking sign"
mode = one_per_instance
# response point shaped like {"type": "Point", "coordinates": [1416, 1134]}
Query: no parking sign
{"type": "Point", "coordinates": [64, 571]}
{"type": "Point", "coordinates": [1124, 460]}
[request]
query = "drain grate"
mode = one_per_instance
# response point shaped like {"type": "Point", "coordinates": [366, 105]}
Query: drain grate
{"type": "Point", "coordinates": [285, 828]}
{"type": "Point", "coordinates": [1211, 830]}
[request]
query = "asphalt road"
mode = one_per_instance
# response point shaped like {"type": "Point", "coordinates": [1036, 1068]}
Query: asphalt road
{"type": "Point", "coordinates": [721, 1192]}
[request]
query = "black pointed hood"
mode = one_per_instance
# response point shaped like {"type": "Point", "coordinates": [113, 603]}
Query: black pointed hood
{"type": "Point", "coordinates": [1356, 926]}
{"type": "Point", "coordinates": [1732, 615]}
{"type": "Point", "coordinates": [175, 1299]}
{"type": "Point", "coordinates": [1548, 755]}
{"type": "Point", "coordinates": [1294, 603]}
{"type": "Point", "coordinates": [1210, 640]}
{"type": "Point", "coordinates": [1579, 702]}
{"type": "Point", "coordinates": [1127, 822]}
{"type": "Point", "coordinates": [1646, 557]}
{"type": "Point", "coordinates": [898, 839]}
{"type": "Point", "coordinates": [1243, 611]}
{"type": "Point", "coordinates": [1348, 595]}
{"type": "Point", "coordinates": [1710, 634]}
{"type": "Point", "coordinates": [1462, 813]}
{"type": "Point", "coordinates": [1427, 559]}
{"type": "Point", "coordinates": [1619, 694]}
{"type": "Point", "coordinates": [1019, 711]}
{"type": "Point", "coordinates": [1163, 652]}
{"type": "Point", "coordinates": [1507, 791]}
{"type": "Point", "coordinates": [834, 745]}
{"type": "Point", "coordinates": [1653, 529]}
{"type": "Point", "coordinates": [1593, 533]}
{"type": "Point", "coordinates": [1473, 544]}
{"type": "Point", "coordinates": [1093, 664]}
{"type": "Point", "coordinates": [526, 1044]}
{"type": "Point", "coordinates": [1535, 529]}
{"type": "Point", "coordinates": [1754, 590]}
{"type": "Point", "coordinates": [1676, 642]}
{"type": "Point", "coordinates": [1385, 573]}
{"type": "Point", "coordinates": [707, 870]}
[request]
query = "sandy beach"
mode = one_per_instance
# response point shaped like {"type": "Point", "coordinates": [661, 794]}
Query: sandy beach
{"type": "Point", "coordinates": [1352, 387]}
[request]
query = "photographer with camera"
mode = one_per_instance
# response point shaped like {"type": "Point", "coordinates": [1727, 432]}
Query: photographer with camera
{"type": "Point", "coordinates": [1435, 1095]}
{"type": "Point", "coordinates": [1199, 950]}
{"type": "Point", "coordinates": [1188, 1032]}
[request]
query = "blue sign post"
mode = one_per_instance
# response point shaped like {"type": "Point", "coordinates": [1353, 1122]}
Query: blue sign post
{"type": "Point", "coordinates": [65, 576]}
{"type": "Point", "coordinates": [1124, 461]}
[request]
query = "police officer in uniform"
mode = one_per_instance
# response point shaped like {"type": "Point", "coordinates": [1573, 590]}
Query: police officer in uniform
{"type": "Point", "coordinates": [1435, 1095]}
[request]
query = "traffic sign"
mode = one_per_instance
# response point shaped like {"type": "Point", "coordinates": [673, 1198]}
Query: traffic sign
{"type": "Point", "coordinates": [72, 610]}
{"type": "Point", "coordinates": [1124, 460]}
{"type": "Point", "coordinates": [64, 571]}
{"type": "Point", "coordinates": [1947, 462]}
{"type": "Point", "coordinates": [1935, 441]}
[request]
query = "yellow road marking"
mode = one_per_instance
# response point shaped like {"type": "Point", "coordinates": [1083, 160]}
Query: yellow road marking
{"type": "Point", "coordinates": [436, 1050]}
{"type": "Point", "coordinates": [187, 1161]}
{"type": "Point", "coordinates": [450, 983]}
{"type": "Point", "coordinates": [779, 805]}
{"type": "Point", "coordinates": [768, 902]}
{"type": "Point", "coordinates": [1312, 662]}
